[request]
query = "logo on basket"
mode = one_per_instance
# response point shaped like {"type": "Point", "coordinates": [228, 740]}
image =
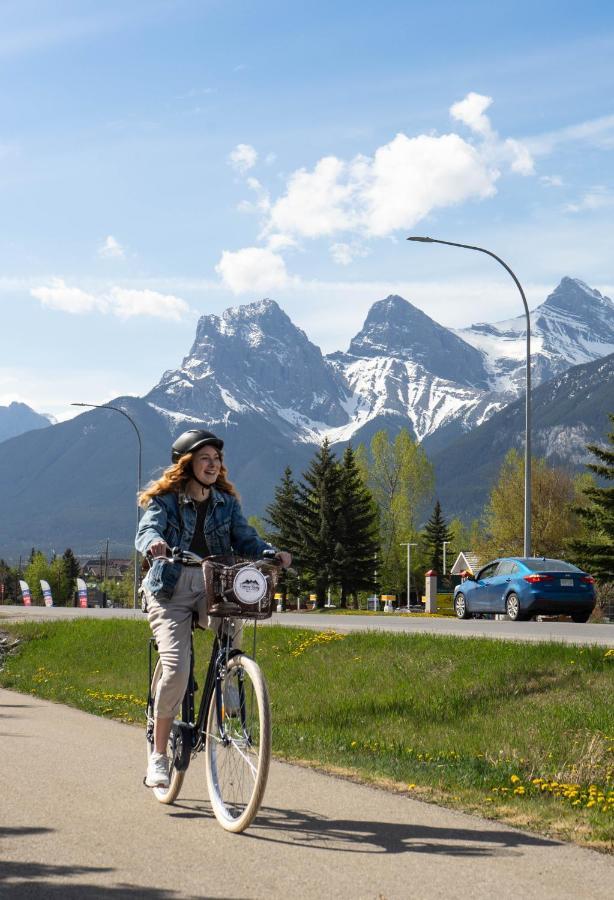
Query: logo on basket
{"type": "Point", "coordinates": [249, 585]}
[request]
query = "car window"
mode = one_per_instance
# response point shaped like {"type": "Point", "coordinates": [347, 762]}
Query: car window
{"type": "Point", "coordinates": [488, 571]}
{"type": "Point", "coordinates": [507, 567]}
{"type": "Point", "coordinates": [550, 565]}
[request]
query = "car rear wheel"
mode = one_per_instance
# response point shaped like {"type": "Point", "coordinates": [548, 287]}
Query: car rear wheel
{"type": "Point", "coordinates": [580, 616]}
{"type": "Point", "coordinates": [512, 608]}
{"type": "Point", "coordinates": [460, 607]}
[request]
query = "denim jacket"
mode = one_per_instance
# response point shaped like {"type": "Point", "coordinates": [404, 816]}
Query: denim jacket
{"type": "Point", "coordinates": [172, 518]}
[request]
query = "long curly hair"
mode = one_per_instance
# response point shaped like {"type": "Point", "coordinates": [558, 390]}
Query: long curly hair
{"type": "Point", "coordinates": [175, 478]}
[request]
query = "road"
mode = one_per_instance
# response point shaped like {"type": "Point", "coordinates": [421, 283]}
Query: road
{"type": "Point", "coordinates": [76, 823]}
{"type": "Point", "coordinates": [566, 632]}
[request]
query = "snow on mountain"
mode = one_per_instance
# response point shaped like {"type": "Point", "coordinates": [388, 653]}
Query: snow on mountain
{"type": "Point", "coordinates": [574, 325]}
{"type": "Point", "coordinates": [252, 361]}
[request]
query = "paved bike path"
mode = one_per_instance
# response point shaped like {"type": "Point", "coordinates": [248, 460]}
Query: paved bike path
{"type": "Point", "coordinates": [76, 823]}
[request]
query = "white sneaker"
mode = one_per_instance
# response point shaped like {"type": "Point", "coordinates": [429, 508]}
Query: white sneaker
{"type": "Point", "coordinates": [157, 771]}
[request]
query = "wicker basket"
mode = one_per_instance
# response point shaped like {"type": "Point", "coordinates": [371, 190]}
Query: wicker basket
{"type": "Point", "coordinates": [237, 587]}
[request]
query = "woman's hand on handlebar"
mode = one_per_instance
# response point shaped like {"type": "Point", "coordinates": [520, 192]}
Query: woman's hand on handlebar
{"type": "Point", "coordinates": [285, 558]}
{"type": "Point", "coordinates": [158, 548]}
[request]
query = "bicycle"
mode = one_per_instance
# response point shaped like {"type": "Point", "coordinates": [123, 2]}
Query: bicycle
{"type": "Point", "coordinates": [233, 723]}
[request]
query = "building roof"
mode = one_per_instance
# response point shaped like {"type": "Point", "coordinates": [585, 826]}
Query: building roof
{"type": "Point", "coordinates": [466, 561]}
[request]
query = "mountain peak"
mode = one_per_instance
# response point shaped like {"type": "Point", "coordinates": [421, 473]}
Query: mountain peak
{"type": "Point", "coordinates": [575, 296]}
{"type": "Point", "coordinates": [394, 327]}
{"type": "Point", "coordinates": [256, 310]}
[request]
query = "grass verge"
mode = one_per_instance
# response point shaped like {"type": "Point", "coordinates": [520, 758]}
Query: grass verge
{"type": "Point", "coordinates": [519, 732]}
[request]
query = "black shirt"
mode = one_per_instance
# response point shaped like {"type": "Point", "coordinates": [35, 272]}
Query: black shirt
{"type": "Point", "coordinates": [199, 542]}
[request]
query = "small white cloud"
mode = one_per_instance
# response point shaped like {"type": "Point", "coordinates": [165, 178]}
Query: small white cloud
{"type": "Point", "coordinates": [128, 302]}
{"type": "Point", "coordinates": [243, 158]}
{"type": "Point", "coordinates": [598, 197]}
{"type": "Point", "coordinates": [67, 299]}
{"type": "Point", "coordinates": [471, 111]}
{"type": "Point", "coordinates": [111, 249]}
{"type": "Point", "coordinates": [270, 158]}
{"type": "Point", "coordinates": [520, 158]}
{"type": "Point", "coordinates": [125, 303]}
{"type": "Point", "coordinates": [280, 241]}
{"type": "Point", "coordinates": [344, 254]}
{"type": "Point", "coordinates": [551, 180]}
{"type": "Point", "coordinates": [252, 269]}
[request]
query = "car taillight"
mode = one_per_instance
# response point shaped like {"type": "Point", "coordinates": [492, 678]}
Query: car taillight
{"type": "Point", "coordinates": [534, 579]}
{"type": "Point", "coordinates": [588, 579]}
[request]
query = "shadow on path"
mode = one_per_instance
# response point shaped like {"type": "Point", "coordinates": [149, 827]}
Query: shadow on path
{"type": "Point", "coordinates": [304, 828]}
{"type": "Point", "coordinates": [27, 880]}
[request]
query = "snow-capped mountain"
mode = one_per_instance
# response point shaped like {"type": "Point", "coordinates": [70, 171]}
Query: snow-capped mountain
{"type": "Point", "coordinates": [401, 369]}
{"type": "Point", "coordinates": [261, 385]}
{"type": "Point", "coordinates": [574, 325]}
{"type": "Point", "coordinates": [252, 359]}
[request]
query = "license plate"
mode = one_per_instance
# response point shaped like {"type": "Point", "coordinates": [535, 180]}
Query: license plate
{"type": "Point", "coordinates": [566, 582]}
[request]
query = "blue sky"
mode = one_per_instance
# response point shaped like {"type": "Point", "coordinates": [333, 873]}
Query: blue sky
{"type": "Point", "coordinates": [161, 160]}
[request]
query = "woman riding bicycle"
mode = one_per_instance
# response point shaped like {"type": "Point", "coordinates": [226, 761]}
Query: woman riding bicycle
{"type": "Point", "coordinates": [195, 507]}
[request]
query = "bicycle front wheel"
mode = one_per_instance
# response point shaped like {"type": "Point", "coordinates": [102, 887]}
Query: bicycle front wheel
{"type": "Point", "coordinates": [238, 749]}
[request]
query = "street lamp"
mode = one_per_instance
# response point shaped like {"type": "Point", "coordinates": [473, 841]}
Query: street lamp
{"type": "Point", "coordinates": [138, 481]}
{"type": "Point", "coordinates": [445, 544]}
{"type": "Point", "coordinates": [409, 546]}
{"type": "Point", "coordinates": [527, 439]}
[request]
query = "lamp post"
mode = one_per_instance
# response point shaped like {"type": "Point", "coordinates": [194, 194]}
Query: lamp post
{"type": "Point", "coordinates": [445, 544]}
{"type": "Point", "coordinates": [527, 439]}
{"type": "Point", "coordinates": [138, 481]}
{"type": "Point", "coordinates": [409, 546]}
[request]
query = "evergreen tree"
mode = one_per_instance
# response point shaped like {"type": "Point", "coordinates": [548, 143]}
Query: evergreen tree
{"type": "Point", "coordinates": [356, 532]}
{"type": "Point", "coordinates": [72, 570]}
{"type": "Point", "coordinates": [317, 514]}
{"type": "Point", "coordinates": [281, 515]}
{"type": "Point", "coordinates": [596, 552]}
{"type": "Point", "coordinates": [436, 531]}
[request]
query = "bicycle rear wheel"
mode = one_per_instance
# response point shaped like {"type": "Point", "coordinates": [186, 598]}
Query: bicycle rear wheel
{"type": "Point", "coordinates": [238, 744]}
{"type": "Point", "coordinates": [174, 748]}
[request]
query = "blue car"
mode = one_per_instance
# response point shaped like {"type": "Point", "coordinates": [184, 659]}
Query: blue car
{"type": "Point", "coordinates": [524, 588]}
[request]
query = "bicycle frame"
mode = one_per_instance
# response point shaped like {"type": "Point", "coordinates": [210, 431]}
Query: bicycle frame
{"type": "Point", "coordinates": [193, 730]}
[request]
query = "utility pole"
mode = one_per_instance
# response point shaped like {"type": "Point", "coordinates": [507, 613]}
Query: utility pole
{"type": "Point", "coordinates": [445, 544]}
{"type": "Point", "coordinates": [409, 546]}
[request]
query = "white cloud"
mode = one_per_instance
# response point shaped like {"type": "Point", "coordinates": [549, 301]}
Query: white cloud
{"type": "Point", "coordinates": [597, 132]}
{"type": "Point", "coordinates": [243, 158]}
{"type": "Point", "coordinates": [471, 111]}
{"type": "Point", "coordinates": [403, 182]}
{"type": "Point", "coordinates": [552, 180]}
{"type": "Point", "coordinates": [111, 249]}
{"type": "Point", "coordinates": [128, 302]}
{"type": "Point", "coordinates": [253, 269]}
{"type": "Point", "coordinates": [599, 197]}
{"type": "Point", "coordinates": [125, 303]}
{"type": "Point", "coordinates": [344, 254]}
{"type": "Point", "coordinates": [67, 299]}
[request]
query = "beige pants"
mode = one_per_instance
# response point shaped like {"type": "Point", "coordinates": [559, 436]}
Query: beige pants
{"type": "Point", "coordinates": [171, 623]}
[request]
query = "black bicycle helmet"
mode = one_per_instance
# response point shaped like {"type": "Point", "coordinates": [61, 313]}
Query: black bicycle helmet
{"type": "Point", "coordinates": [190, 441]}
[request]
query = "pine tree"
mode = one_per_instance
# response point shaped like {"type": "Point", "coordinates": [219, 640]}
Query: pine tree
{"type": "Point", "coordinates": [317, 514]}
{"type": "Point", "coordinates": [597, 553]}
{"type": "Point", "coordinates": [357, 531]}
{"type": "Point", "coordinates": [281, 515]}
{"type": "Point", "coordinates": [436, 531]}
{"type": "Point", "coordinates": [72, 570]}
